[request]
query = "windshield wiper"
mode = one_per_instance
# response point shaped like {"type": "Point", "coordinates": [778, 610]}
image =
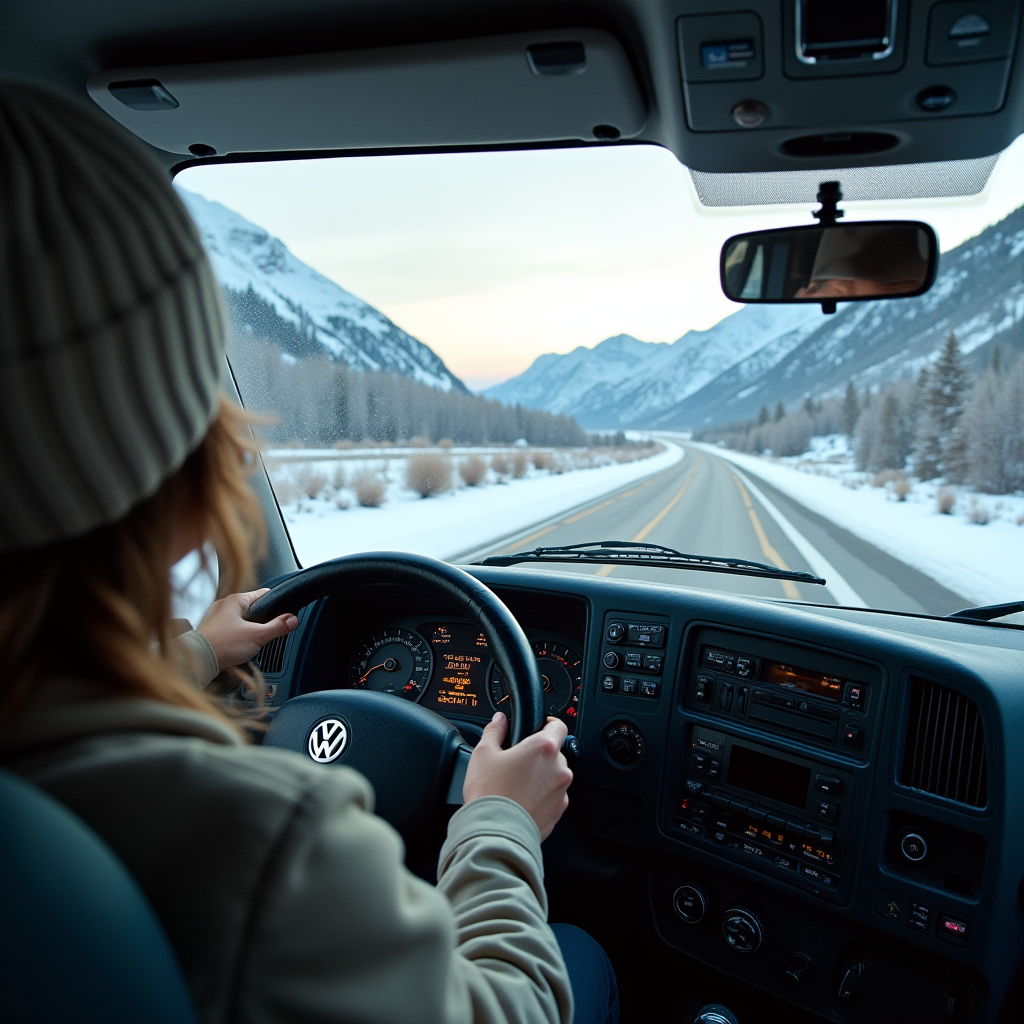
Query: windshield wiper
{"type": "Point", "coordinates": [625, 552]}
{"type": "Point", "coordinates": [987, 612]}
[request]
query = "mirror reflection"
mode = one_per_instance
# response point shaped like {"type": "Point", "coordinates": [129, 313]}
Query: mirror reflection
{"type": "Point", "coordinates": [848, 262]}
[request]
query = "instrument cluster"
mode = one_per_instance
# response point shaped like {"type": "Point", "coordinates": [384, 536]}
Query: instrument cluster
{"type": "Point", "coordinates": [448, 668]}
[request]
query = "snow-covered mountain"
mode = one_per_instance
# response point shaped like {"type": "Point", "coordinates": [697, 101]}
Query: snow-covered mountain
{"type": "Point", "coordinates": [625, 382]}
{"type": "Point", "coordinates": [761, 355]}
{"type": "Point", "coordinates": [299, 309]}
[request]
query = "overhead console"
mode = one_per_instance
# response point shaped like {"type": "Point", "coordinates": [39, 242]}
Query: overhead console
{"type": "Point", "coordinates": [782, 68]}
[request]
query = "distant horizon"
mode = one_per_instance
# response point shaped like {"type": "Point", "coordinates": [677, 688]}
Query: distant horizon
{"type": "Point", "coordinates": [494, 259]}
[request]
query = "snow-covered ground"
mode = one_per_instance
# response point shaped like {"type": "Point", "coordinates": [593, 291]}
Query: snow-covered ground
{"type": "Point", "coordinates": [449, 524]}
{"type": "Point", "coordinates": [977, 550]}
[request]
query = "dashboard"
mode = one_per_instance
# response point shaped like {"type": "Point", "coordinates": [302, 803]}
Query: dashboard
{"type": "Point", "coordinates": [825, 803]}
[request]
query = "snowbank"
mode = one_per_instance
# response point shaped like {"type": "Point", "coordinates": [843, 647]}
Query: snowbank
{"type": "Point", "coordinates": [983, 562]}
{"type": "Point", "coordinates": [462, 520]}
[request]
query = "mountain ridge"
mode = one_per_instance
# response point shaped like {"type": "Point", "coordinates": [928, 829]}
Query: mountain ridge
{"type": "Point", "coordinates": [269, 290]}
{"type": "Point", "coordinates": [761, 355]}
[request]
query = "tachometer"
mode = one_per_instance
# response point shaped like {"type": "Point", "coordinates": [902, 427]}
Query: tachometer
{"type": "Point", "coordinates": [561, 674]}
{"type": "Point", "coordinates": [396, 661]}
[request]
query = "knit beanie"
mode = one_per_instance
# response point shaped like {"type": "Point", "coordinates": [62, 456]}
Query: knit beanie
{"type": "Point", "coordinates": [111, 322]}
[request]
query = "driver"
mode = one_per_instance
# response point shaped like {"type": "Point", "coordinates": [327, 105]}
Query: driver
{"type": "Point", "coordinates": [855, 261]}
{"type": "Point", "coordinates": [284, 897]}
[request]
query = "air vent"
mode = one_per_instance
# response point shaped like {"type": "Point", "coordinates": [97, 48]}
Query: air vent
{"type": "Point", "coordinates": [271, 657]}
{"type": "Point", "coordinates": [945, 750]}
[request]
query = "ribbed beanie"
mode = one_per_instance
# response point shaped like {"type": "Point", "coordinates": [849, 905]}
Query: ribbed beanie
{"type": "Point", "coordinates": [111, 322]}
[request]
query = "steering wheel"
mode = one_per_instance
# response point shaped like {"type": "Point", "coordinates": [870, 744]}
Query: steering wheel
{"type": "Point", "coordinates": [415, 759]}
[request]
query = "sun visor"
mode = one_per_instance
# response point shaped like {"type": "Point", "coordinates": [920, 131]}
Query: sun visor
{"type": "Point", "coordinates": [539, 87]}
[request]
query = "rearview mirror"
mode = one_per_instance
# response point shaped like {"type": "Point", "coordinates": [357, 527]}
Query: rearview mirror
{"type": "Point", "coordinates": [831, 263]}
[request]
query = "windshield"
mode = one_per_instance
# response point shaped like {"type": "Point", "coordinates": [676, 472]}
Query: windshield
{"type": "Point", "coordinates": [476, 354]}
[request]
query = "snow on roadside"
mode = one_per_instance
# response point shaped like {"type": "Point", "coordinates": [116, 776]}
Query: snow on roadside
{"type": "Point", "coordinates": [982, 562]}
{"type": "Point", "coordinates": [462, 520]}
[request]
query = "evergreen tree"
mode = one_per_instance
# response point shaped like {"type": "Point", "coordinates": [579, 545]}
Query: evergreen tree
{"type": "Point", "coordinates": [851, 410]}
{"type": "Point", "coordinates": [888, 451]}
{"type": "Point", "coordinates": [780, 412]}
{"type": "Point", "coordinates": [763, 416]}
{"type": "Point", "coordinates": [995, 360]}
{"type": "Point", "coordinates": [808, 406]}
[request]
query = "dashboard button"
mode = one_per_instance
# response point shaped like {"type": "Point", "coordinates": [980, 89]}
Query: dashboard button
{"type": "Point", "coordinates": [952, 930]}
{"type": "Point", "coordinates": [818, 876]}
{"type": "Point", "coordinates": [853, 736]}
{"type": "Point", "coordinates": [745, 667]}
{"type": "Point", "coordinates": [737, 808]}
{"type": "Point", "coordinates": [627, 684]}
{"type": "Point", "coordinates": [786, 863]}
{"type": "Point", "coordinates": [716, 659]}
{"type": "Point", "coordinates": [720, 800]}
{"type": "Point", "coordinates": [633, 659]}
{"type": "Point", "coordinates": [646, 634]}
{"type": "Point", "coordinates": [794, 828]}
{"type": "Point", "coordinates": [826, 838]}
{"type": "Point", "coordinates": [611, 659]}
{"type": "Point", "coordinates": [615, 632]}
{"type": "Point", "coordinates": [744, 930]}
{"type": "Point", "coordinates": [914, 846]}
{"type": "Point", "coordinates": [698, 764]}
{"type": "Point", "coordinates": [920, 917]}
{"type": "Point", "coordinates": [714, 768]}
{"type": "Point", "coordinates": [695, 785]}
{"type": "Point", "coordinates": [828, 785]}
{"type": "Point", "coordinates": [758, 814]}
{"type": "Point", "coordinates": [649, 687]}
{"type": "Point", "coordinates": [775, 822]}
{"type": "Point", "coordinates": [825, 811]}
{"type": "Point", "coordinates": [653, 662]}
{"type": "Point", "coordinates": [609, 684]}
{"type": "Point", "coordinates": [742, 693]}
{"type": "Point", "coordinates": [703, 687]}
{"type": "Point", "coordinates": [723, 700]}
{"type": "Point", "coordinates": [854, 695]}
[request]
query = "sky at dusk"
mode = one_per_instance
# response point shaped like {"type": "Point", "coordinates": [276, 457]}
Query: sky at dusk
{"type": "Point", "coordinates": [495, 258]}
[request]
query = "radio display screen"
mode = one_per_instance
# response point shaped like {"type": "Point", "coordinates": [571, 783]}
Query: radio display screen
{"type": "Point", "coordinates": [770, 777]}
{"type": "Point", "coordinates": [793, 678]}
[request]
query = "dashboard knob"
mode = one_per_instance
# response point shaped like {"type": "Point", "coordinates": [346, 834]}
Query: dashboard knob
{"type": "Point", "coordinates": [572, 748]}
{"type": "Point", "coordinates": [798, 970]}
{"type": "Point", "coordinates": [914, 846]}
{"type": "Point", "coordinates": [615, 632]}
{"type": "Point", "coordinates": [691, 903]}
{"type": "Point", "coordinates": [744, 930]}
{"type": "Point", "coordinates": [624, 744]}
{"type": "Point", "coordinates": [611, 659]}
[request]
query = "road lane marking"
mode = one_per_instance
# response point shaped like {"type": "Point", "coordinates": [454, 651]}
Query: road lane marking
{"type": "Point", "coordinates": [607, 570]}
{"type": "Point", "coordinates": [535, 536]}
{"type": "Point", "coordinates": [788, 586]}
{"type": "Point", "coordinates": [591, 511]}
{"type": "Point", "coordinates": [836, 585]}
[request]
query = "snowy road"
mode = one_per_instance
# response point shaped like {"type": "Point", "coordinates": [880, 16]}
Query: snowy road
{"type": "Point", "coordinates": [705, 505]}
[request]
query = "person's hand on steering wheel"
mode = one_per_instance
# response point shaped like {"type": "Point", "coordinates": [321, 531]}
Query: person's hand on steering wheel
{"type": "Point", "coordinates": [534, 772]}
{"type": "Point", "coordinates": [234, 639]}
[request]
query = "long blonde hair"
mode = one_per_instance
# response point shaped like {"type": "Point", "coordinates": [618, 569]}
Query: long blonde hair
{"type": "Point", "coordinates": [98, 607]}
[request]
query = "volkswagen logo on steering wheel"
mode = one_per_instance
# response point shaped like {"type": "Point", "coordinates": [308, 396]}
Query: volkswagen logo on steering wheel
{"type": "Point", "coordinates": [328, 740]}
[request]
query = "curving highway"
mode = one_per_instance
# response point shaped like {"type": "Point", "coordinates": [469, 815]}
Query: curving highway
{"type": "Point", "coordinates": [705, 505]}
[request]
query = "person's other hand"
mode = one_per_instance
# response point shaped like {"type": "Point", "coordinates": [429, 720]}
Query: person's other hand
{"type": "Point", "coordinates": [234, 639]}
{"type": "Point", "coordinates": [534, 772]}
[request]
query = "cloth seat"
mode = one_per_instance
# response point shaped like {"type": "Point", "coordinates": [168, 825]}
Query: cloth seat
{"type": "Point", "coordinates": [78, 940]}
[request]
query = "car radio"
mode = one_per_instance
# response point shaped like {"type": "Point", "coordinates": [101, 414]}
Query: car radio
{"type": "Point", "coordinates": [780, 696]}
{"type": "Point", "coordinates": [785, 815]}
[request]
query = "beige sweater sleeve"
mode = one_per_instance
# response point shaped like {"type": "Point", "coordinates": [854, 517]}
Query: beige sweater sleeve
{"type": "Point", "coordinates": [196, 656]}
{"type": "Point", "coordinates": [343, 932]}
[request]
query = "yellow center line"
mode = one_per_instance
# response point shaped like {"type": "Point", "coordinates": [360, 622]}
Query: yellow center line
{"type": "Point", "coordinates": [590, 511]}
{"type": "Point", "coordinates": [607, 570]}
{"type": "Point", "coordinates": [788, 586]}
{"type": "Point", "coordinates": [533, 536]}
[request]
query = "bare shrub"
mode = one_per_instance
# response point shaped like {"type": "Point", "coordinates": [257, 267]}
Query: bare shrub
{"type": "Point", "coordinates": [310, 481]}
{"type": "Point", "coordinates": [501, 464]}
{"type": "Point", "coordinates": [367, 442]}
{"type": "Point", "coordinates": [473, 470]}
{"type": "Point", "coordinates": [370, 486]}
{"type": "Point", "coordinates": [1019, 520]}
{"type": "Point", "coordinates": [341, 501]}
{"type": "Point", "coordinates": [343, 445]}
{"type": "Point", "coordinates": [887, 476]}
{"type": "Point", "coordinates": [945, 501]}
{"type": "Point", "coordinates": [428, 473]}
{"type": "Point", "coordinates": [901, 488]}
{"type": "Point", "coordinates": [520, 464]}
{"type": "Point", "coordinates": [340, 478]}
{"type": "Point", "coordinates": [543, 460]}
{"type": "Point", "coordinates": [978, 513]}
{"type": "Point", "coordinates": [418, 442]}
{"type": "Point", "coordinates": [285, 490]}
{"type": "Point", "coordinates": [447, 443]}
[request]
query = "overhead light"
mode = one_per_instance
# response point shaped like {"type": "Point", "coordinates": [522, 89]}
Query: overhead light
{"type": "Point", "coordinates": [143, 94]}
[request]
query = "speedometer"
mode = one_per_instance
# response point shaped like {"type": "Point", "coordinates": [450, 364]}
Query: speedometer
{"type": "Point", "coordinates": [561, 676]}
{"type": "Point", "coordinates": [396, 661]}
